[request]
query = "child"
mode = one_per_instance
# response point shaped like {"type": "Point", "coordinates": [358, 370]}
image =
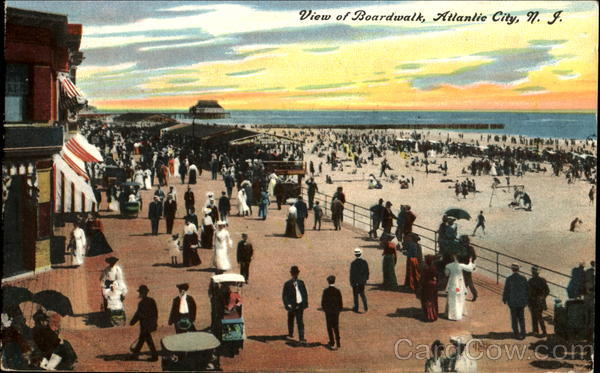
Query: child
{"type": "Point", "coordinates": [174, 248]}
{"type": "Point", "coordinates": [318, 215]}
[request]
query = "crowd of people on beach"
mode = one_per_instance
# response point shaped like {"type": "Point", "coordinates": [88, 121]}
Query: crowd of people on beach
{"type": "Point", "coordinates": [154, 160]}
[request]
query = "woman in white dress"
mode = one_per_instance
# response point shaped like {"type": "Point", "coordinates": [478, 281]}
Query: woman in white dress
{"type": "Point", "coordinates": [243, 208]}
{"type": "Point", "coordinates": [176, 166]}
{"type": "Point", "coordinates": [272, 183]}
{"type": "Point", "coordinates": [138, 177]}
{"type": "Point", "coordinates": [493, 171]}
{"type": "Point", "coordinates": [147, 179]}
{"type": "Point", "coordinates": [222, 243]}
{"type": "Point", "coordinates": [457, 291]}
{"type": "Point", "coordinates": [79, 243]}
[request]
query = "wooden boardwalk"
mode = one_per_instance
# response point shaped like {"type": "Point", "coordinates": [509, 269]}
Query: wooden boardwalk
{"type": "Point", "coordinates": [370, 341]}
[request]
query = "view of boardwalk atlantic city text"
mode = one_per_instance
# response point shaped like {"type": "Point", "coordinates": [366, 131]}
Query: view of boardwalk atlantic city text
{"type": "Point", "coordinates": [307, 186]}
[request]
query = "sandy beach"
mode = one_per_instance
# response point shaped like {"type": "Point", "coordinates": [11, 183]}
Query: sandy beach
{"type": "Point", "coordinates": [540, 236]}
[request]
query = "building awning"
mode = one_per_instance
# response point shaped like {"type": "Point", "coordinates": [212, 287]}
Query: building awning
{"type": "Point", "coordinates": [263, 139]}
{"type": "Point", "coordinates": [71, 97]}
{"type": "Point", "coordinates": [80, 147]}
{"type": "Point", "coordinates": [71, 192]}
{"type": "Point", "coordinates": [74, 162]}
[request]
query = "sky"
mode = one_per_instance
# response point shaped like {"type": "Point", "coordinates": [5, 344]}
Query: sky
{"type": "Point", "coordinates": [263, 56]}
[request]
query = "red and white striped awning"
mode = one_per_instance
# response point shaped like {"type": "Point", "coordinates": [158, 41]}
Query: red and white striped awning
{"type": "Point", "coordinates": [79, 146]}
{"type": "Point", "coordinates": [74, 162]}
{"type": "Point", "coordinates": [71, 192]}
{"type": "Point", "coordinates": [71, 97]}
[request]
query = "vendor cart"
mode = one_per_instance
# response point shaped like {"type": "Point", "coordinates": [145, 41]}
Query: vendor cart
{"type": "Point", "coordinates": [130, 209]}
{"type": "Point", "coordinates": [227, 321]}
{"type": "Point", "coordinates": [192, 351]}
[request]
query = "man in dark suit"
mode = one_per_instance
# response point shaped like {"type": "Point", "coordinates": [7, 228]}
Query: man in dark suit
{"type": "Point", "coordinates": [188, 198]}
{"type": "Point", "coordinates": [295, 301]}
{"type": "Point", "coordinates": [244, 256]}
{"type": "Point", "coordinates": [538, 291]}
{"type": "Point", "coordinates": [159, 193]}
{"type": "Point", "coordinates": [302, 213]}
{"type": "Point", "coordinates": [359, 274]}
{"type": "Point", "coordinates": [516, 296]}
{"type": "Point", "coordinates": [183, 311]}
{"type": "Point", "coordinates": [331, 303]}
{"type": "Point", "coordinates": [279, 194]}
{"type": "Point", "coordinates": [224, 206]}
{"type": "Point", "coordinates": [147, 315]}
{"type": "Point", "coordinates": [229, 183]}
{"type": "Point", "coordinates": [170, 209]}
{"type": "Point", "coordinates": [154, 214]}
{"type": "Point", "coordinates": [98, 195]}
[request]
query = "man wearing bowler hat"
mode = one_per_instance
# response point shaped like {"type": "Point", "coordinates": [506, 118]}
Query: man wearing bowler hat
{"type": "Point", "coordinates": [147, 315]}
{"type": "Point", "coordinates": [332, 304]}
{"type": "Point", "coordinates": [295, 301]}
{"type": "Point", "coordinates": [516, 296]}
{"type": "Point", "coordinates": [183, 311]}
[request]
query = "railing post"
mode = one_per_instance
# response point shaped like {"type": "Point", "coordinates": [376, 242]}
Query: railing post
{"type": "Point", "coordinates": [497, 268]}
{"type": "Point", "coordinates": [326, 205]}
{"type": "Point", "coordinates": [354, 215]}
{"type": "Point", "coordinates": [435, 243]}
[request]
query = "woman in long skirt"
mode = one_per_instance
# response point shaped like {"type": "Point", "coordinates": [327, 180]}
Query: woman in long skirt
{"type": "Point", "coordinates": [190, 244]}
{"type": "Point", "coordinates": [192, 174]}
{"type": "Point", "coordinates": [223, 244]}
{"type": "Point", "coordinates": [147, 179]}
{"type": "Point", "coordinates": [243, 208]}
{"type": "Point", "coordinates": [457, 291]}
{"type": "Point", "coordinates": [291, 228]}
{"type": "Point", "coordinates": [78, 242]}
{"type": "Point", "coordinates": [414, 258]}
{"type": "Point", "coordinates": [389, 263]}
{"type": "Point", "coordinates": [94, 230]}
{"type": "Point", "coordinates": [428, 289]}
{"type": "Point", "coordinates": [208, 230]}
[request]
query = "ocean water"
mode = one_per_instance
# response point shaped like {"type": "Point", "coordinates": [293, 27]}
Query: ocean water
{"type": "Point", "coordinates": [561, 125]}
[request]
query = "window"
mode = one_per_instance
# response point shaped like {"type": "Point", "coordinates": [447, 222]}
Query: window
{"type": "Point", "coordinates": [16, 92]}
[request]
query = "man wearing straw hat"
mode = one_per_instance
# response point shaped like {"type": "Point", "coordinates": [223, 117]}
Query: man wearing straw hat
{"type": "Point", "coordinates": [516, 296]}
{"type": "Point", "coordinates": [538, 291]}
{"type": "Point", "coordinates": [359, 274]}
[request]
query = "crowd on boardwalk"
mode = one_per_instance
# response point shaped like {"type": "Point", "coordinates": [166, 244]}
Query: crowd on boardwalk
{"type": "Point", "coordinates": [155, 161]}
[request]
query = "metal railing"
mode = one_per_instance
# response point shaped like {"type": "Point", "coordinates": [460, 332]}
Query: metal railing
{"type": "Point", "coordinates": [494, 263]}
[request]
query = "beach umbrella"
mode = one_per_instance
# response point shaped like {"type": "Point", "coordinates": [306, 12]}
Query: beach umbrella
{"type": "Point", "coordinates": [53, 300]}
{"type": "Point", "coordinates": [14, 295]}
{"type": "Point", "coordinates": [458, 214]}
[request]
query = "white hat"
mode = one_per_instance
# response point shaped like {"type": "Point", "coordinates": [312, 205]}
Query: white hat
{"type": "Point", "coordinates": [207, 211]}
{"type": "Point", "coordinates": [358, 251]}
{"type": "Point", "coordinates": [221, 222]}
{"type": "Point", "coordinates": [462, 338]}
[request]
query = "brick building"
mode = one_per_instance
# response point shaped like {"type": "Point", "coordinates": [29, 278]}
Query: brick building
{"type": "Point", "coordinates": [41, 101]}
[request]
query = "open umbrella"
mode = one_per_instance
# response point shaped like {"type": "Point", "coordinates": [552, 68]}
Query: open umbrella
{"type": "Point", "coordinates": [14, 295]}
{"type": "Point", "coordinates": [458, 214]}
{"type": "Point", "coordinates": [52, 300]}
